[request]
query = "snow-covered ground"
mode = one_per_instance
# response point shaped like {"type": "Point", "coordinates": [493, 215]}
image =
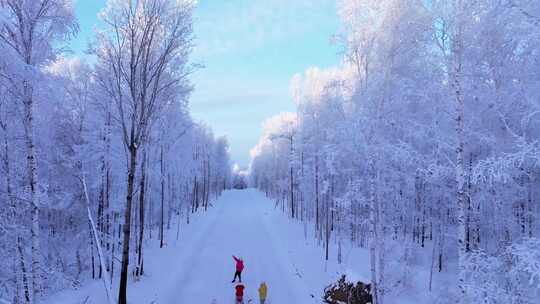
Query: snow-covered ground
{"type": "Point", "coordinates": [198, 268]}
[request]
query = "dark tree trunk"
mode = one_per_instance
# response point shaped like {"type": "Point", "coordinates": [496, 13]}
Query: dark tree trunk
{"type": "Point", "coordinates": [92, 252]}
{"type": "Point", "coordinates": [161, 237]}
{"type": "Point", "coordinates": [23, 271]}
{"type": "Point", "coordinates": [142, 185]}
{"type": "Point", "coordinates": [122, 291]}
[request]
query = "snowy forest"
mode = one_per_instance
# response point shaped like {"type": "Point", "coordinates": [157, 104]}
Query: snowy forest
{"type": "Point", "coordinates": [422, 147]}
{"type": "Point", "coordinates": [414, 162]}
{"type": "Point", "coordinates": [97, 157]}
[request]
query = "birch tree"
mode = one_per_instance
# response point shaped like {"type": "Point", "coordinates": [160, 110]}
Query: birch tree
{"type": "Point", "coordinates": [145, 51]}
{"type": "Point", "coordinates": [30, 30]}
{"type": "Point", "coordinates": [435, 143]}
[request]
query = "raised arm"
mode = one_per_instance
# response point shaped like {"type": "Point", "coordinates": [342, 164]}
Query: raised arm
{"type": "Point", "coordinates": [235, 258]}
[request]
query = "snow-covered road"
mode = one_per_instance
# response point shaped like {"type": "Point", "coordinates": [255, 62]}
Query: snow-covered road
{"type": "Point", "coordinates": [198, 268]}
{"type": "Point", "coordinates": [238, 225]}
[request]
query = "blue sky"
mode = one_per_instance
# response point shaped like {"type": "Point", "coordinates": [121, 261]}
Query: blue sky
{"type": "Point", "coordinates": [250, 50]}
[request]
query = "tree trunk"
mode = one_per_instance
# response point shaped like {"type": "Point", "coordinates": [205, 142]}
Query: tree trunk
{"type": "Point", "coordinates": [161, 237]}
{"type": "Point", "coordinates": [92, 259]}
{"type": "Point", "coordinates": [530, 204]}
{"type": "Point", "coordinates": [122, 291]}
{"type": "Point", "coordinates": [381, 235]}
{"type": "Point", "coordinates": [327, 228]}
{"type": "Point", "coordinates": [114, 244]}
{"type": "Point", "coordinates": [33, 183]}
{"type": "Point", "coordinates": [292, 192]}
{"type": "Point", "coordinates": [317, 220]}
{"type": "Point", "coordinates": [209, 184]}
{"type": "Point", "coordinates": [100, 224]}
{"type": "Point", "coordinates": [170, 200]}
{"type": "Point", "coordinates": [94, 232]}
{"type": "Point", "coordinates": [24, 272]}
{"type": "Point", "coordinates": [16, 276]}
{"type": "Point", "coordinates": [373, 235]}
{"type": "Point", "coordinates": [291, 177]}
{"type": "Point", "coordinates": [142, 186]}
{"type": "Point", "coordinates": [461, 173]}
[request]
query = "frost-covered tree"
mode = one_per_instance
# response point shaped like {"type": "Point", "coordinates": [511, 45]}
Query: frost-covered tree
{"type": "Point", "coordinates": [145, 53]}
{"type": "Point", "coordinates": [68, 129]}
{"type": "Point", "coordinates": [29, 32]}
{"type": "Point", "coordinates": [425, 137]}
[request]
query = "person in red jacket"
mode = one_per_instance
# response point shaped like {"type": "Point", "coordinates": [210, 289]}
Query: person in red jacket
{"type": "Point", "coordinates": [239, 269]}
{"type": "Point", "coordinates": [239, 293]}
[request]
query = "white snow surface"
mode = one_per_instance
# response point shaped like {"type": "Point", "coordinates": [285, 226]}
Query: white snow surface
{"type": "Point", "coordinates": [198, 268]}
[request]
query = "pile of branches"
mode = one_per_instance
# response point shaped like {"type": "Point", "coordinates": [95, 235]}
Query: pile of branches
{"type": "Point", "coordinates": [344, 292]}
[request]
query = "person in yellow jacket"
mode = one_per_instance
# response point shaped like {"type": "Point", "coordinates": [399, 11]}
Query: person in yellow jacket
{"type": "Point", "coordinates": [263, 290]}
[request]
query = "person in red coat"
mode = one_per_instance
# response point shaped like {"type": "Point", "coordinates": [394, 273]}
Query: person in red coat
{"type": "Point", "coordinates": [239, 293]}
{"type": "Point", "coordinates": [239, 269]}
